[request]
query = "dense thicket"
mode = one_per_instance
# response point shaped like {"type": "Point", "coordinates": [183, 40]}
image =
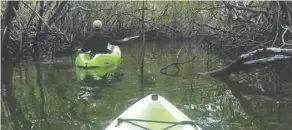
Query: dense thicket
{"type": "Point", "coordinates": [51, 26]}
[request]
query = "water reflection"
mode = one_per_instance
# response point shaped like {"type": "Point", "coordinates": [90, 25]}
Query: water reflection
{"type": "Point", "coordinates": [10, 107]}
{"type": "Point", "coordinates": [92, 81]}
{"type": "Point", "coordinates": [276, 102]}
{"type": "Point", "coordinates": [43, 110]}
{"type": "Point", "coordinates": [55, 95]}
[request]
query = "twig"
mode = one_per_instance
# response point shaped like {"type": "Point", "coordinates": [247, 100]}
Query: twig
{"type": "Point", "coordinates": [193, 58]}
{"type": "Point", "coordinates": [86, 9]}
{"type": "Point", "coordinates": [3, 34]}
{"type": "Point", "coordinates": [283, 35]}
{"type": "Point", "coordinates": [175, 63]}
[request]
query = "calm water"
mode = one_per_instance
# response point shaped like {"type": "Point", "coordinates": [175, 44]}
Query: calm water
{"type": "Point", "coordinates": [55, 96]}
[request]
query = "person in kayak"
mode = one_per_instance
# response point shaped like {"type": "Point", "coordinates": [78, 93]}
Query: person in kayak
{"type": "Point", "coordinates": [97, 43]}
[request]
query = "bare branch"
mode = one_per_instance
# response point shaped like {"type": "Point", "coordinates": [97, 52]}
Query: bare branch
{"type": "Point", "coordinates": [287, 52]}
{"type": "Point", "coordinates": [246, 8]}
{"type": "Point", "coordinates": [283, 35]}
{"type": "Point", "coordinates": [86, 9]}
{"type": "Point", "coordinates": [242, 64]}
{"type": "Point", "coordinates": [176, 62]}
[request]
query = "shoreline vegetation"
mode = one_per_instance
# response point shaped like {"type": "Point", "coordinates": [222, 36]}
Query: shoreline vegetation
{"type": "Point", "coordinates": [256, 32]}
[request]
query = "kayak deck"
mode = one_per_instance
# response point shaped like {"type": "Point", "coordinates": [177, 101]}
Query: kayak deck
{"type": "Point", "coordinates": [152, 113]}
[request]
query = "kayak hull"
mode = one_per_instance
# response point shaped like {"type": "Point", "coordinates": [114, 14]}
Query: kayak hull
{"type": "Point", "coordinates": [111, 60]}
{"type": "Point", "coordinates": [152, 112]}
{"type": "Point", "coordinates": [96, 73]}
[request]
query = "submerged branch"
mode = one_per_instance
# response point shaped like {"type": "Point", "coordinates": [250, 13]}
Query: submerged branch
{"type": "Point", "coordinates": [176, 63]}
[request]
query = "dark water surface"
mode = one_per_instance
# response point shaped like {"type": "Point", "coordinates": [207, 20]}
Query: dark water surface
{"type": "Point", "coordinates": [51, 95]}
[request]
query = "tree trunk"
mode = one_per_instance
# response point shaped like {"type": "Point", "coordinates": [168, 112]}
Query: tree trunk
{"type": "Point", "coordinates": [5, 30]}
{"type": "Point", "coordinates": [142, 50]}
{"type": "Point", "coordinates": [8, 98]}
{"type": "Point", "coordinates": [143, 42]}
{"type": "Point", "coordinates": [36, 54]}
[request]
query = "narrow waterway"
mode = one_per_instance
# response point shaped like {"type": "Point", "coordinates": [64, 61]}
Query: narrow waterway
{"type": "Point", "coordinates": [56, 96]}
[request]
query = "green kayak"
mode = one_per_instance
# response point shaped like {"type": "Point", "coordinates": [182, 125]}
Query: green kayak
{"type": "Point", "coordinates": [111, 60]}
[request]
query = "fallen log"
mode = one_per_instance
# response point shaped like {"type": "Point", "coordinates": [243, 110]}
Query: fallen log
{"type": "Point", "coordinates": [243, 62]}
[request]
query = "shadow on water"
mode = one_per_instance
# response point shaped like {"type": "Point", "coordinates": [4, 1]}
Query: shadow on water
{"type": "Point", "coordinates": [91, 88]}
{"type": "Point", "coordinates": [91, 85]}
{"type": "Point", "coordinates": [270, 107]}
{"type": "Point", "coordinates": [11, 109]}
{"type": "Point", "coordinates": [73, 114]}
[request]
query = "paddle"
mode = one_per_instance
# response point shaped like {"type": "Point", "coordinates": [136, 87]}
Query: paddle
{"type": "Point", "coordinates": [130, 38]}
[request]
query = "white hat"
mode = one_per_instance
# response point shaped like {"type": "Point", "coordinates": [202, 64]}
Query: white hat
{"type": "Point", "coordinates": [97, 24]}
